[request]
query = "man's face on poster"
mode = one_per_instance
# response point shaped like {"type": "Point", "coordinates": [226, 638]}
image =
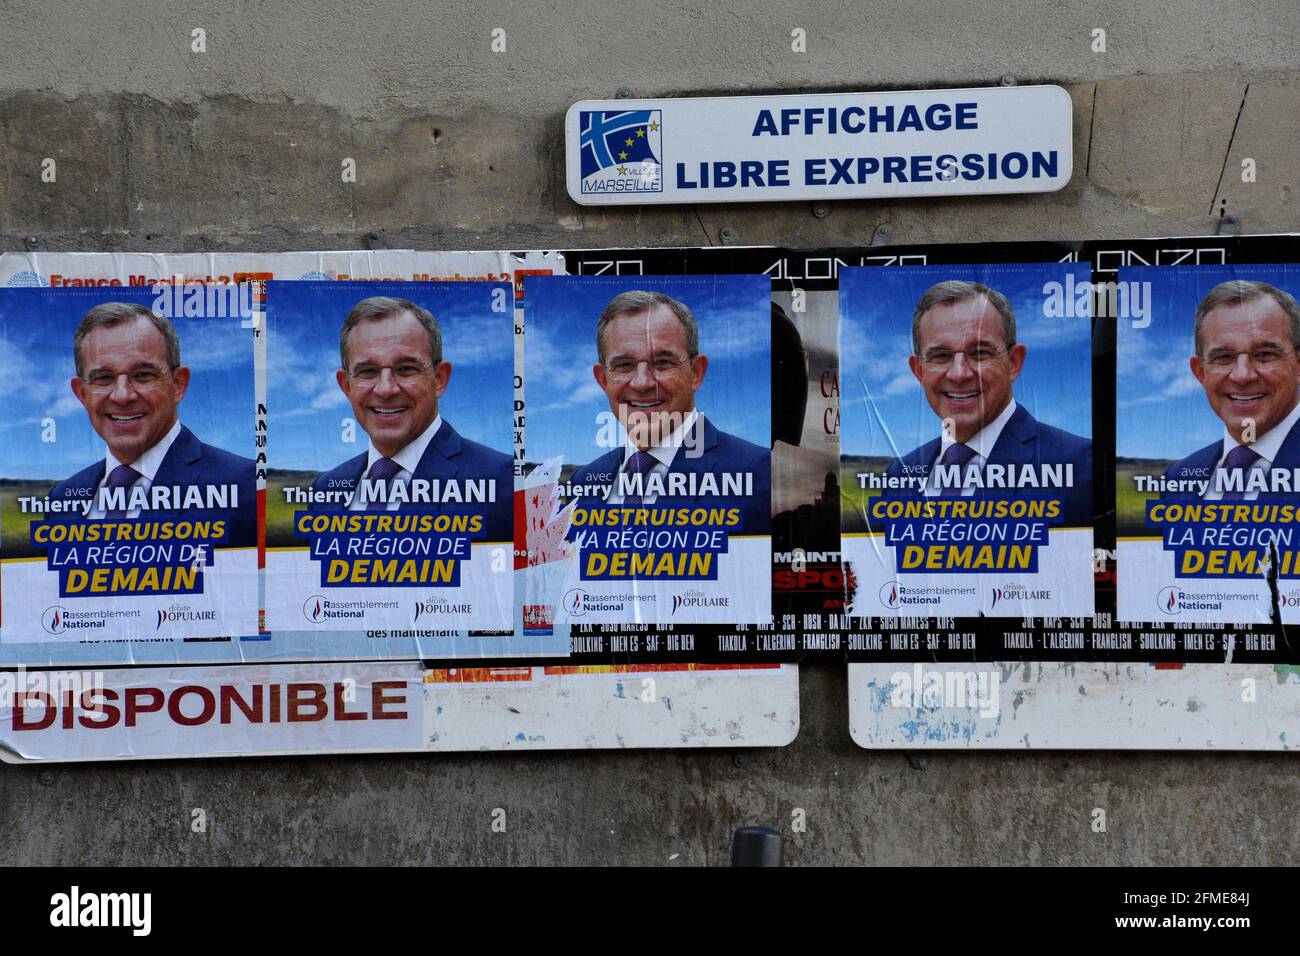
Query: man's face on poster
{"type": "Point", "coordinates": [392, 381]}
{"type": "Point", "coordinates": [964, 364]}
{"type": "Point", "coordinates": [127, 387]}
{"type": "Point", "coordinates": [1247, 364]}
{"type": "Point", "coordinates": [647, 375]}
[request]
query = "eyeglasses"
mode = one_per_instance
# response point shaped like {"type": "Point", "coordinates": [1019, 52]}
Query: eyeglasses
{"type": "Point", "coordinates": [1263, 359]}
{"type": "Point", "coordinates": [406, 373]}
{"type": "Point", "coordinates": [626, 368]}
{"type": "Point", "coordinates": [940, 360]}
{"type": "Point", "coordinates": [142, 380]}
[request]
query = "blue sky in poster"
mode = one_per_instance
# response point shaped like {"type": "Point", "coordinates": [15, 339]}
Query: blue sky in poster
{"type": "Point", "coordinates": [36, 330]}
{"type": "Point", "coordinates": [883, 409]}
{"type": "Point", "coordinates": [734, 316]}
{"type": "Point", "coordinates": [304, 402]}
{"type": "Point", "coordinates": [1161, 409]}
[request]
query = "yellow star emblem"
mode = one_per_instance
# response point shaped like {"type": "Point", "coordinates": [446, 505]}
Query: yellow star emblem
{"type": "Point", "coordinates": [628, 141]}
{"type": "Point", "coordinates": [623, 155]}
{"type": "Point", "coordinates": [653, 127]}
{"type": "Point", "coordinates": [622, 170]}
{"type": "Point", "coordinates": [640, 134]}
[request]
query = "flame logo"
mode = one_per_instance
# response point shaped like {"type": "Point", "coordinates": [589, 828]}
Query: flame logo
{"type": "Point", "coordinates": [52, 618]}
{"type": "Point", "coordinates": [889, 595]}
{"type": "Point", "coordinates": [575, 602]}
{"type": "Point", "coordinates": [313, 609]}
{"type": "Point", "coordinates": [1167, 600]}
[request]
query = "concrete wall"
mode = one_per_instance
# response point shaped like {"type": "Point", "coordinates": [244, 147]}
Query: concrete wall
{"type": "Point", "coordinates": [457, 147]}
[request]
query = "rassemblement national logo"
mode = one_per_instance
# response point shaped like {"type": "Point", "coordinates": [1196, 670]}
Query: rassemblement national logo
{"type": "Point", "coordinates": [1167, 600]}
{"type": "Point", "coordinates": [53, 619]}
{"type": "Point", "coordinates": [313, 609]}
{"type": "Point", "coordinates": [622, 152]}
{"type": "Point", "coordinates": [895, 595]}
{"type": "Point", "coordinates": [57, 619]}
{"type": "Point", "coordinates": [575, 602]}
{"type": "Point", "coordinates": [1173, 600]}
{"type": "Point", "coordinates": [318, 609]}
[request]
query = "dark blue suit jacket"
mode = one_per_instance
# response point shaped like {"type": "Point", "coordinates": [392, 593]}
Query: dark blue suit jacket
{"type": "Point", "coordinates": [1024, 440]}
{"type": "Point", "coordinates": [449, 456]}
{"type": "Point", "coordinates": [1200, 465]}
{"type": "Point", "coordinates": [722, 452]}
{"type": "Point", "coordinates": [188, 462]}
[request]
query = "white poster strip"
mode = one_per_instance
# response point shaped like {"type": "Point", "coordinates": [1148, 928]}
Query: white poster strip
{"type": "Point", "coordinates": [262, 709]}
{"type": "Point", "coordinates": [1074, 706]}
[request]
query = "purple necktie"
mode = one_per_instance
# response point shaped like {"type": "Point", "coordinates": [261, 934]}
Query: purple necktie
{"type": "Point", "coordinates": [1239, 460]}
{"type": "Point", "coordinates": [639, 464]}
{"type": "Point", "coordinates": [957, 454]}
{"type": "Point", "coordinates": [123, 476]}
{"type": "Point", "coordinates": [383, 470]}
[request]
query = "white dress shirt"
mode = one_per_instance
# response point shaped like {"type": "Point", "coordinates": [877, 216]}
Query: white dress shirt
{"type": "Point", "coordinates": [981, 443]}
{"type": "Point", "coordinates": [147, 465]}
{"type": "Point", "coordinates": [1266, 446]}
{"type": "Point", "coordinates": [408, 457]}
{"type": "Point", "coordinates": [663, 455]}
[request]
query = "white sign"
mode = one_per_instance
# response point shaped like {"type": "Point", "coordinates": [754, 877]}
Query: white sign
{"type": "Point", "coordinates": [392, 706]}
{"type": "Point", "coordinates": [1073, 705]}
{"type": "Point", "coordinates": [130, 713]}
{"type": "Point", "coordinates": [824, 146]}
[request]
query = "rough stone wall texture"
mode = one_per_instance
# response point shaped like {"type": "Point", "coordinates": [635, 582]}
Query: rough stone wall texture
{"type": "Point", "coordinates": [159, 148]}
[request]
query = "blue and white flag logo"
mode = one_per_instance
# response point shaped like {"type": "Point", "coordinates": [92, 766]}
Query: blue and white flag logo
{"type": "Point", "coordinates": [622, 152]}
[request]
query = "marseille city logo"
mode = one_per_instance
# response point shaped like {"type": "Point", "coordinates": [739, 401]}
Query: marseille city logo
{"type": "Point", "coordinates": [622, 152]}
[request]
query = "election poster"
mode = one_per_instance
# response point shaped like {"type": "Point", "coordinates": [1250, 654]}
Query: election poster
{"type": "Point", "coordinates": [806, 574]}
{"type": "Point", "coordinates": [966, 440]}
{"type": "Point", "coordinates": [336, 705]}
{"type": "Point", "coordinates": [390, 485]}
{"type": "Point", "coordinates": [129, 508]}
{"type": "Point", "coordinates": [812, 573]}
{"type": "Point", "coordinates": [810, 584]}
{"type": "Point", "coordinates": [807, 578]}
{"type": "Point", "coordinates": [1207, 475]}
{"type": "Point", "coordinates": [647, 486]}
{"type": "Point", "coordinates": [141, 272]}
